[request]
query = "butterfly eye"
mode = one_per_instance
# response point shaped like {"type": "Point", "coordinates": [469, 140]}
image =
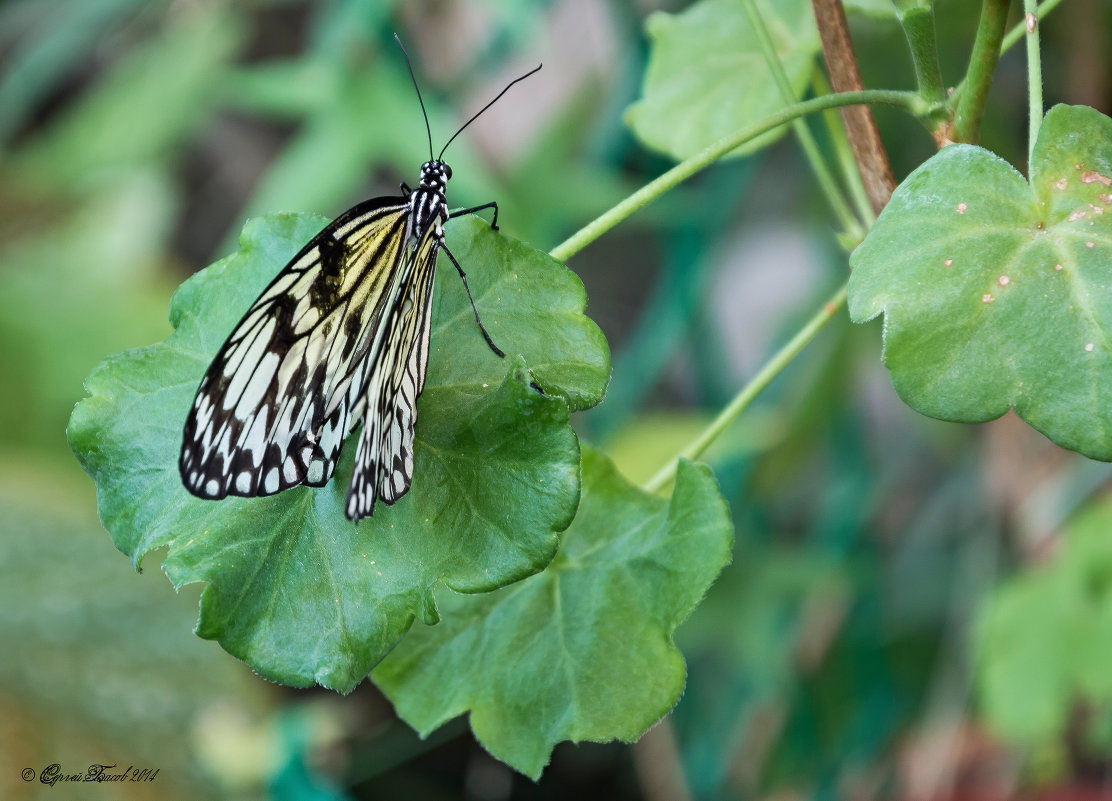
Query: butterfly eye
{"type": "Point", "coordinates": [447, 173]}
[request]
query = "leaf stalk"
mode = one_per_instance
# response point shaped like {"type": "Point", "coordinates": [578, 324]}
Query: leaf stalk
{"type": "Point", "coordinates": [982, 68]}
{"type": "Point", "coordinates": [772, 368]}
{"type": "Point", "coordinates": [1034, 75]}
{"type": "Point", "coordinates": [910, 101]}
{"type": "Point", "coordinates": [850, 224]}
{"type": "Point", "coordinates": [918, 27]}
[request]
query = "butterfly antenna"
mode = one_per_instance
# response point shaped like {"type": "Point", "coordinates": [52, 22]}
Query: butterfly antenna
{"type": "Point", "coordinates": [409, 64]}
{"type": "Point", "coordinates": [488, 105]}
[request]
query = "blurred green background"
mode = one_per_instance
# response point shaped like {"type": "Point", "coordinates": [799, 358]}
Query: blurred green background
{"type": "Point", "coordinates": [915, 609]}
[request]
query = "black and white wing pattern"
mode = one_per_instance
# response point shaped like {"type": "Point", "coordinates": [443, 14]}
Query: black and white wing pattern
{"type": "Point", "coordinates": [289, 384]}
{"type": "Point", "coordinates": [384, 458]}
{"type": "Point", "coordinates": [340, 335]}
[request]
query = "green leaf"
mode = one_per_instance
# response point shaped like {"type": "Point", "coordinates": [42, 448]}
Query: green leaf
{"type": "Point", "coordinates": [584, 650]}
{"type": "Point", "coordinates": [996, 292]}
{"type": "Point", "coordinates": [707, 75]}
{"type": "Point", "coordinates": [295, 589]}
{"type": "Point", "coordinates": [1045, 637]}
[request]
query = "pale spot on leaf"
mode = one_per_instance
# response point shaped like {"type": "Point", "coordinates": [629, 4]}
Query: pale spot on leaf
{"type": "Point", "coordinates": [987, 298]}
{"type": "Point", "coordinates": [1089, 347]}
{"type": "Point", "coordinates": [1003, 280]}
{"type": "Point", "coordinates": [961, 208]}
{"type": "Point", "coordinates": [1092, 176]}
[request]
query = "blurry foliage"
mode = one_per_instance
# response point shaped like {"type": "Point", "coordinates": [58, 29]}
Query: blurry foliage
{"type": "Point", "coordinates": [137, 135]}
{"type": "Point", "coordinates": [95, 669]}
{"type": "Point", "coordinates": [1045, 640]}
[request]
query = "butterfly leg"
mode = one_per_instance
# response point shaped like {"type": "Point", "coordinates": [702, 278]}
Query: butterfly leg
{"type": "Point", "coordinates": [492, 205]}
{"type": "Point", "coordinates": [463, 275]}
{"type": "Point", "coordinates": [405, 189]}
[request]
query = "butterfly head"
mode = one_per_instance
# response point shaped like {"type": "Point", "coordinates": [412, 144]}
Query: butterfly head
{"type": "Point", "coordinates": [435, 175]}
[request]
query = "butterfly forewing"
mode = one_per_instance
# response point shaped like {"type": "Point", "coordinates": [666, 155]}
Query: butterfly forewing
{"type": "Point", "coordinates": [285, 389]}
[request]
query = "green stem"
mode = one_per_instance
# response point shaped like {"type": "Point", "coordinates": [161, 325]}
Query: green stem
{"type": "Point", "coordinates": [1034, 74]}
{"type": "Point", "coordinates": [918, 28]}
{"type": "Point", "coordinates": [1020, 30]}
{"type": "Point", "coordinates": [827, 184]}
{"type": "Point", "coordinates": [756, 385]}
{"type": "Point", "coordinates": [1010, 41]}
{"type": "Point", "coordinates": [843, 152]}
{"type": "Point", "coordinates": [982, 67]}
{"type": "Point", "coordinates": [688, 167]}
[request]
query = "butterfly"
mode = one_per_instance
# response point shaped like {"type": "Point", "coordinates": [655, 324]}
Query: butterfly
{"type": "Point", "coordinates": [340, 336]}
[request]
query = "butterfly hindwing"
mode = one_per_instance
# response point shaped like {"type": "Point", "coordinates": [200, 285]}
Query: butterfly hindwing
{"type": "Point", "coordinates": [275, 405]}
{"type": "Point", "coordinates": [384, 457]}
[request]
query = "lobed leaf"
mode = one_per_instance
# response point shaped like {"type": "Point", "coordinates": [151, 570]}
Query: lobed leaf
{"type": "Point", "coordinates": [582, 651]}
{"type": "Point", "coordinates": [996, 291]}
{"type": "Point", "coordinates": [295, 589]}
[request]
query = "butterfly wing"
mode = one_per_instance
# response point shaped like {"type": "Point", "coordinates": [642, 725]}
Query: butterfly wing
{"type": "Point", "coordinates": [384, 457]}
{"type": "Point", "coordinates": [286, 387]}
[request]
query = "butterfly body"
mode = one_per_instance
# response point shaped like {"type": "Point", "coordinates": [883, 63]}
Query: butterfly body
{"type": "Point", "coordinates": [427, 204]}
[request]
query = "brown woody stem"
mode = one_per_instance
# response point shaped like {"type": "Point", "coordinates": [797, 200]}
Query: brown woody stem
{"type": "Point", "coordinates": [845, 76]}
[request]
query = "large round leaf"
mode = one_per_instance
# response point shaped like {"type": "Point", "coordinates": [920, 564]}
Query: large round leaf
{"type": "Point", "coordinates": [997, 292]}
{"type": "Point", "coordinates": [295, 588]}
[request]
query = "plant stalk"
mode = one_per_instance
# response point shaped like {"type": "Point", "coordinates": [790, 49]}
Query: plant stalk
{"type": "Point", "coordinates": [982, 67]}
{"type": "Point", "coordinates": [845, 76]}
{"type": "Point", "coordinates": [827, 184]}
{"type": "Point", "coordinates": [843, 152]}
{"type": "Point", "coordinates": [751, 390]}
{"type": "Point", "coordinates": [1034, 75]}
{"type": "Point", "coordinates": [688, 167]}
{"type": "Point", "coordinates": [918, 27]}
{"type": "Point", "coordinates": [1011, 40]}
